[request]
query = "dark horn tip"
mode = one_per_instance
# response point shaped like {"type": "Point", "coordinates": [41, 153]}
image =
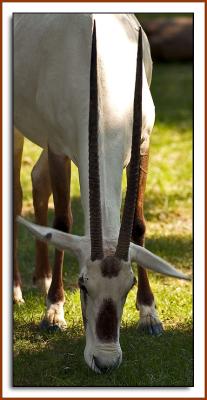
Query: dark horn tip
{"type": "Point", "coordinates": [48, 236]}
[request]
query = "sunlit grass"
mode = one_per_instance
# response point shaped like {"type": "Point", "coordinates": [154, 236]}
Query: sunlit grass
{"type": "Point", "coordinates": [42, 359]}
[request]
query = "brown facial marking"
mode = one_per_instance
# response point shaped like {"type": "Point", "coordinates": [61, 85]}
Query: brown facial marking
{"type": "Point", "coordinates": [110, 267]}
{"type": "Point", "coordinates": [106, 324]}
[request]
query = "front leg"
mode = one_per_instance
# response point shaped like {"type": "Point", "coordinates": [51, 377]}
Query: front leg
{"type": "Point", "coordinates": [149, 321]}
{"type": "Point", "coordinates": [60, 170]}
{"type": "Point", "coordinates": [17, 201]}
{"type": "Point", "coordinates": [41, 190]}
{"type": "Point", "coordinates": [54, 316]}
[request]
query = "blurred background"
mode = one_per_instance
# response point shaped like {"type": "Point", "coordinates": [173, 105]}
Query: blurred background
{"type": "Point", "coordinates": [170, 35]}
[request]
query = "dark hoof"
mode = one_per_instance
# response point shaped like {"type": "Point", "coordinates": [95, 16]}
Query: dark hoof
{"type": "Point", "coordinates": [19, 302]}
{"type": "Point", "coordinates": [157, 330]}
{"type": "Point", "coordinates": [153, 329]}
{"type": "Point", "coordinates": [54, 329]}
{"type": "Point", "coordinates": [46, 326]}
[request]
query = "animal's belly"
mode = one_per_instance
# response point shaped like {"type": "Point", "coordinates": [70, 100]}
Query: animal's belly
{"type": "Point", "coordinates": [38, 130]}
{"type": "Point", "coordinates": [30, 124]}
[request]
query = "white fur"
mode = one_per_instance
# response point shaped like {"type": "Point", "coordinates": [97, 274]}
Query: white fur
{"type": "Point", "coordinates": [55, 314]}
{"type": "Point", "coordinates": [43, 284]}
{"type": "Point", "coordinates": [51, 94]}
{"type": "Point", "coordinates": [99, 289]}
{"type": "Point", "coordinates": [107, 354]}
{"type": "Point", "coordinates": [147, 311]}
{"type": "Point", "coordinates": [17, 295]}
{"type": "Point", "coordinates": [148, 315]}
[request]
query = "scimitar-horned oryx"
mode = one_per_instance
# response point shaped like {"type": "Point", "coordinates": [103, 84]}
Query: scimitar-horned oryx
{"type": "Point", "coordinates": [82, 77]}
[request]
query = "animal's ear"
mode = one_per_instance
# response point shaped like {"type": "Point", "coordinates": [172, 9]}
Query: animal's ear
{"type": "Point", "coordinates": [148, 260]}
{"type": "Point", "coordinates": [61, 240]}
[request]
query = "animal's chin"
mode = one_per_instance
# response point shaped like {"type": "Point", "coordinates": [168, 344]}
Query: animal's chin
{"type": "Point", "coordinates": [89, 359]}
{"type": "Point", "coordinates": [103, 370]}
{"type": "Point", "coordinates": [94, 367]}
{"type": "Point", "coordinates": [101, 367]}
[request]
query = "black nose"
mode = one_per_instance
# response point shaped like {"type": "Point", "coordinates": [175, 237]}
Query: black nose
{"type": "Point", "coordinates": [103, 368]}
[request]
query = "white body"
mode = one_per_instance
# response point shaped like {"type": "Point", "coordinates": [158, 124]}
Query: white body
{"type": "Point", "coordinates": [51, 95]}
{"type": "Point", "coordinates": [52, 54]}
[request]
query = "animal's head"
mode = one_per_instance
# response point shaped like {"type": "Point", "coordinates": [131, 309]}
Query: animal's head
{"type": "Point", "coordinates": [106, 275]}
{"type": "Point", "coordinates": [104, 285]}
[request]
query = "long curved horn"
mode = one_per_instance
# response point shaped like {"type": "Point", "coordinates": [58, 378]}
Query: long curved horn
{"type": "Point", "coordinates": [122, 249]}
{"type": "Point", "coordinates": [61, 240]}
{"type": "Point", "coordinates": [94, 178]}
{"type": "Point", "coordinates": [150, 261]}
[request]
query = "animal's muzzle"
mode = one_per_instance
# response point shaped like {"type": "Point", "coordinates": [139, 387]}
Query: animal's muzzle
{"type": "Point", "coordinates": [104, 368]}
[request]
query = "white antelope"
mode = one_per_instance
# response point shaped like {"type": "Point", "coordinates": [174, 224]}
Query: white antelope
{"type": "Point", "coordinates": [81, 87]}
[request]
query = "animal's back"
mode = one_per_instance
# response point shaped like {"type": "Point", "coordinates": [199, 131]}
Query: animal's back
{"type": "Point", "coordinates": [51, 56]}
{"type": "Point", "coordinates": [51, 82]}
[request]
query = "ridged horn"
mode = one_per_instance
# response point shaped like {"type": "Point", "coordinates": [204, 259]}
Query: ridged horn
{"type": "Point", "coordinates": [94, 178]}
{"type": "Point", "coordinates": [122, 249]}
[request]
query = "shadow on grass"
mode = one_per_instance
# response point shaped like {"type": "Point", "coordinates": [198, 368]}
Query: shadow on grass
{"type": "Point", "coordinates": [57, 360]}
{"type": "Point", "coordinates": [175, 249]}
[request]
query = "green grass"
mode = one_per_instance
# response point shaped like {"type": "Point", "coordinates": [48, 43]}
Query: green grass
{"type": "Point", "coordinates": [43, 359]}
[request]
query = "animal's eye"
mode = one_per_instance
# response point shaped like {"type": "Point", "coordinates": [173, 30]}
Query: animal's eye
{"type": "Point", "coordinates": [83, 288]}
{"type": "Point", "coordinates": [81, 285]}
{"type": "Point", "coordinates": [134, 282]}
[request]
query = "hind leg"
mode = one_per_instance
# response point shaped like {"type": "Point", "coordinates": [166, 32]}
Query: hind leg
{"type": "Point", "coordinates": [17, 201]}
{"type": "Point", "coordinates": [60, 169]}
{"type": "Point", "coordinates": [41, 190]}
{"type": "Point", "coordinates": [145, 303]}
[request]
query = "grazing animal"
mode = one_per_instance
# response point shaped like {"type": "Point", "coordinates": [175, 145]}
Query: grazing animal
{"type": "Point", "coordinates": [81, 87]}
